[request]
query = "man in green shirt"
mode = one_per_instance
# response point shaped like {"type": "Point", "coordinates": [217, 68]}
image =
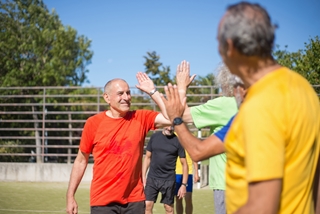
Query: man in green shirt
{"type": "Point", "coordinates": [214, 114]}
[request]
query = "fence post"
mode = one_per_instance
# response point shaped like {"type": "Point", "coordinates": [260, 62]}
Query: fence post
{"type": "Point", "coordinates": [199, 163]}
{"type": "Point", "coordinates": [70, 139]}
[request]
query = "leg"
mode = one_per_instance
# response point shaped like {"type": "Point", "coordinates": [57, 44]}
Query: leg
{"type": "Point", "coordinates": [179, 206]}
{"type": "Point", "coordinates": [188, 197]}
{"type": "Point", "coordinates": [149, 207]}
{"type": "Point", "coordinates": [189, 205]}
{"type": "Point", "coordinates": [167, 198]}
{"type": "Point", "coordinates": [151, 191]}
{"type": "Point", "coordinates": [168, 208]}
{"type": "Point", "coordinates": [219, 205]}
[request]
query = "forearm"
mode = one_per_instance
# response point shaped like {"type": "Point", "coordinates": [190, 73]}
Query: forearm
{"type": "Point", "coordinates": [195, 168]}
{"type": "Point", "coordinates": [185, 173]}
{"type": "Point", "coordinates": [77, 173]}
{"type": "Point", "coordinates": [158, 100]}
{"type": "Point", "coordinates": [187, 118]}
{"type": "Point", "coordinates": [187, 140]}
{"type": "Point", "coordinates": [263, 197]}
{"type": "Point", "coordinates": [145, 166]}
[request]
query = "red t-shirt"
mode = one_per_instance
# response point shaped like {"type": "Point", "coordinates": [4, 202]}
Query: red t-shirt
{"type": "Point", "coordinates": [117, 148]}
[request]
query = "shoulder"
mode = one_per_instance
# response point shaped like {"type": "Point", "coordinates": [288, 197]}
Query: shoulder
{"type": "Point", "coordinates": [157, 134]}
{"type": "Point", "coordinates": [218, 102]}
{"type": "Point", "coordinates": [144, 113]}
{"type": "Point", "coordinates": [97, 117]}
{"type": "Point", "coordinates": [221, 100]}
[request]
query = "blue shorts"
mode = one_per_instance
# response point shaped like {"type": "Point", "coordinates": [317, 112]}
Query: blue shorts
{"type": "Point", "coordinates": [179, 182]}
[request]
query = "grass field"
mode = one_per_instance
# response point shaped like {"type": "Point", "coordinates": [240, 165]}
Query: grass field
{"type": "Point", "coordinates": [49, 198]}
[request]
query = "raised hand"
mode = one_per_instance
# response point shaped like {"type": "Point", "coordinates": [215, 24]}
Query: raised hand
{"type": "Point", "coordinates": [174, 107]}
{"type": "Point", "coordinates": [183, 78]}
{"type": "Point", "coordinates": [145, 83]}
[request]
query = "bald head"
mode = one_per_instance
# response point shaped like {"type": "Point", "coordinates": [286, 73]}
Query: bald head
{"type": "Point", "coordinates": [108, 86]}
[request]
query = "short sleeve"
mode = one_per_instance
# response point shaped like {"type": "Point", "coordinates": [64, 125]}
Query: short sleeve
{"type": "Point", "coordinates": [221, 134]}
{"type": "Point", "coordinates": [214, 113]}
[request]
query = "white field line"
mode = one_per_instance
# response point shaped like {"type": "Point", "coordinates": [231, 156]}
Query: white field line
{"type": "Point", "coordinates": [37, 211]}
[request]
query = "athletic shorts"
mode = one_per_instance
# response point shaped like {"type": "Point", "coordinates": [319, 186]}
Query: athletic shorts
{"type": "Point", "coordinates": [179, 182]}
{"type": "Point", "coordinates": [115, 208]}
{"type": "Point", "coordinates": [154, 186]}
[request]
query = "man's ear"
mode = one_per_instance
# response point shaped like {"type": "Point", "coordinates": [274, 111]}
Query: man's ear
{"type": "Point", "coordinates": [106, 98]}
{"type": "Point", "coordinates": [230, 48]}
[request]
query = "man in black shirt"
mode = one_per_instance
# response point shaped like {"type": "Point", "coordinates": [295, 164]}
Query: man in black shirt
{"type": "Point", "coordinates": [162, 152]}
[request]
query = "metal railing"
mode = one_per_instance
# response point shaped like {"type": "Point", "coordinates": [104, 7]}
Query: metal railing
{"type": "Point", "coordinates": [44, 124]}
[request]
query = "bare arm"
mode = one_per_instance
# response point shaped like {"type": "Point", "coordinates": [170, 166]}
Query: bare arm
{"type": "Point", "coordinates": [78, 169]}
{"type": "Point", "coordinates": [263, 197]}
{"type": "Point", "coordinates": [183, 81]}
{"type": "Point", "coordinates": [197, 149]}
{"type": "Point", "coordinates": [145, 166]}
{"type": "Point", "coordinates": [183, 189]}
{"type": "Point", "coordinates": [195, 172]}
{"type": "Point", "coordinates": [146, 85]}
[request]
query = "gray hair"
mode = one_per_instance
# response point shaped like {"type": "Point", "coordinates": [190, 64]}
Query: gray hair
{"type": "Point", "coordinates": [226, 81]}
{"type": "Point", "coordinates": [108, 85]}
{"type": "Point", "coordinates": [236, 81]}
{"type": "Point", "coordinates": [250, 29]}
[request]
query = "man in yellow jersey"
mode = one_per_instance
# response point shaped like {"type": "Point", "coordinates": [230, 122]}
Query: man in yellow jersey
{"type": "Point", "coordinates": [273, 143]}
{"type": "Point", "coordinates": [193, 170]}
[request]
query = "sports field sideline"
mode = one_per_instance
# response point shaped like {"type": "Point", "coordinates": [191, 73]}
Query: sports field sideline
{"type": "Point", "coordinates": [49, 198]}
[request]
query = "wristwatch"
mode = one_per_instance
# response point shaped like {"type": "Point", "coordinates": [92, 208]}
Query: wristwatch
{"type": "Point", "coordinates": [152, 92]}
{"type": "Point", "coordinates": [184, 184]}
{"type": "Point", "coordinates": [177, 121]}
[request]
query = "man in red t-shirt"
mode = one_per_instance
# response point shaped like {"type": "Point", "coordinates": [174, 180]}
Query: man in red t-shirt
{"type": "Point", "coordinates": [115, 138]}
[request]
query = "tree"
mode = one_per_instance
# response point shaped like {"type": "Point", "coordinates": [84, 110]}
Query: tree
{"type": "Point", "coordinates": [158, 73]}
{"type": "Point", "coordinates": [37, 50]}
{"type": "Point", "coordinates": [209, 91]}
{"type": "Point", "coordinates": [306, 61]}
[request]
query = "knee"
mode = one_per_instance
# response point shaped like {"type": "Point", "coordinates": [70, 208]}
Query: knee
{"type": "Point", "coordinates": [149, 205]}
{"type": "Point", "coordinates": [168, 208]}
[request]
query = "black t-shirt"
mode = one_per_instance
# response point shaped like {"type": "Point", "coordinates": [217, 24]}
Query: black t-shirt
{"type": "Point", "coordinates": [164, 153]}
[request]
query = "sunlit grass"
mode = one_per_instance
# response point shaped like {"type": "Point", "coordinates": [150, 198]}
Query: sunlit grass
{"type": "Point", "coordinates": [46, 198]}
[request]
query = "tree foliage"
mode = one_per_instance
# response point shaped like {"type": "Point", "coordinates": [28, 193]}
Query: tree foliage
{"type": "Point", "coordinates": [37, 50]}
{"type": "Point", "coordinates": [158, 73]}
{"type": "Point", "coordinates": [305, 61]}
{"type": "Point", "coordinates": [161, 76]}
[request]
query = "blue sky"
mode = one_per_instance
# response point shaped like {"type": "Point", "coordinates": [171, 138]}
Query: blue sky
{"type": "Point", "coordinates": [123, 31]}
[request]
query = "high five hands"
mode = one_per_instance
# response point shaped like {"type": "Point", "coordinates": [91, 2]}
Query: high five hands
{"type": "Point", "coordinates": [174, 106]}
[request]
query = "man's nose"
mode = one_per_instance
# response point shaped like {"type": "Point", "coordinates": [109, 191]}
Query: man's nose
{"type": "Point", "coordinates": [125, 96]}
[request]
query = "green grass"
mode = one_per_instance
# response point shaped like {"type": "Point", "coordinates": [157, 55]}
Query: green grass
{"type": "Point", "coordinates": [49, 198]}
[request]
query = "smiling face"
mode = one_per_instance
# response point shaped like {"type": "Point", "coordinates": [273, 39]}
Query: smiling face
{"type": "Point", "coordinates": [118, 97]}
{"type": "Point", "coordinates": [168, 130]}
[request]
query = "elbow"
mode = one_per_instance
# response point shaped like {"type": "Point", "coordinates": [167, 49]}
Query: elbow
{"type": "Point", "coordinates": [199, 153]}
{"type": "Point", "coordinates": [196, 155]}
{"type": "Point", "coordinates": [196, 158]}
